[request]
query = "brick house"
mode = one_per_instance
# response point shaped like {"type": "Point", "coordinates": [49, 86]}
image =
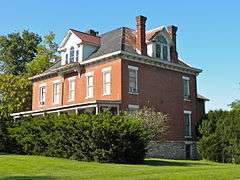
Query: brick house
{"type": "Point", "coordinates": [124, 69]}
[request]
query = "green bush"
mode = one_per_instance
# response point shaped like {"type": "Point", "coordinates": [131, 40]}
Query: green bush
{"type": "Point", "coordinates": [220, 140]}
{"type": "Point", "coordinates": [103, 137]}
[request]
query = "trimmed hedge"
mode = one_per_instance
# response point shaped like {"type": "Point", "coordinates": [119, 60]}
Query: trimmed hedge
{"type": "Point", "coordinates": [103, 137]}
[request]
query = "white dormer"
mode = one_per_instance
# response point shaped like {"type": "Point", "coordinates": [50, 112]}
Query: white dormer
{"type": "Point", "coordinates": [77, 46]}
{"type": "Point", "coordinates": [158, 45]}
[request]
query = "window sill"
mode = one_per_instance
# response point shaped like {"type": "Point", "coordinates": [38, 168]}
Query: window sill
{"type": "Point", "coordinates": [71, 100]}
{"type": "Point", "coordinates": [106, 94]}
{"type": "Point", "coordinates": [56, 103]}
{"type": "Point", "coordinates": [188, 100]}
{"type": "Point", "coordinates": [88, 97]}
{"type": "Point", "coordinates": [133, 93]}
{"type": "Point", "coordinates": [187, 137]}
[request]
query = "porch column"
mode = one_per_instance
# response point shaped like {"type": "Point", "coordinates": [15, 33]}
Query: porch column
{"type": "Point", "coordinates": [118, 111]}
{"type": "Point", "coordinates": [97, 109]}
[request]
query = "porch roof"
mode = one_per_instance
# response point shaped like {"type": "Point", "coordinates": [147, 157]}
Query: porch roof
{"type": "Point", "coordinates": [95, 103]}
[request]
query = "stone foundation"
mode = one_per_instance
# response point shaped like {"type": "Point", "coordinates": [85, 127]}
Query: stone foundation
{"type": "Point", "coordinates": [173, 150]}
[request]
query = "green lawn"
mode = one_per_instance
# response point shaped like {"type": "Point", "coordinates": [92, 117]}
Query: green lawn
{"type": "Point", "coordinates": [36, 168]}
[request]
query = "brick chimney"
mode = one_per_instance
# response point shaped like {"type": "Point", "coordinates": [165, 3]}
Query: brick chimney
{"type": "Point", "coordinates": [141, 45]}
{"type": "Point", "coordinates": [172, 30]}
{"type": "Point", "coordinates": [91, 32]}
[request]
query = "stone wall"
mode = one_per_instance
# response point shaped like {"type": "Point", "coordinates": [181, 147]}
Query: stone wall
{"type": "Point", "coordinates": [172, 150]}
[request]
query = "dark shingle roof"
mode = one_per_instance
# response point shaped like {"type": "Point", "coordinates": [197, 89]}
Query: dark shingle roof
{"type": "Point", "coordinates": [113, 41]}
{"type": "Point", "coordinates": [120, 39]}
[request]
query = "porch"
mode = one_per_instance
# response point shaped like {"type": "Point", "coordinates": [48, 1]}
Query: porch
{"type": "Point", "coordinates": [89, 107]}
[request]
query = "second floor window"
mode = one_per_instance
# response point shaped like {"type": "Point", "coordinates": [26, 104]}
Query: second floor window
{"type": "Point", "coordinates": [71, 58]}
{"type": "Point", "coordinates": [89, 86]}
{"type": "Point", "coordinates": [186, 88]}
{"type": "Point", "coordinates": [106, 82]}
{"type": "Point", "coordinates": [133, 79]}
{"type": "Point", "coordinates": [42, 95]}
{"type": "Point", "coordinates": [71, 95]}
{"type": "Point", "coordinates": [56, 93]}
{"type": "Point", "coordinates": [187, 124]}
{"type": "Point", "coordinates": [161, 48]}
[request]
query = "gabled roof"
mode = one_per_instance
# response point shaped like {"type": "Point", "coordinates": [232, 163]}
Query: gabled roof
{"type": "Point", "coordinates": [84, 37]}
{"type": "Point", "coordinates": [121, 40]}
{"type": "Point", "coordinates": [152, 33]}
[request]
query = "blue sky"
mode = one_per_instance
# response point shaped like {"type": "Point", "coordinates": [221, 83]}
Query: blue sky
{"type": "Point", "coordinates": [208, 34]}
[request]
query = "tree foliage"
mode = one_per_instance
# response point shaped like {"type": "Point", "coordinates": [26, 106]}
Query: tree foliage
{"type": "Point", "coordinates": [155, 123]}
{"type": "Point", "coordinates": [17, 49]}
{"type": "Point", "coordinates": [235, 105]}
{"type": "Point", "coordinates": [46, 51]}
{"type": "Point", "coordinates": [22, 55]}
{"type": "Point", "coordinates": [221, 136]}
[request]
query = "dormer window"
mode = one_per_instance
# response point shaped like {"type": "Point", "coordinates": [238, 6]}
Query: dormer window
{"type": "Point", "coordinates": [162, 48]}
{"type": "Point", "coordinates": [71, 54]}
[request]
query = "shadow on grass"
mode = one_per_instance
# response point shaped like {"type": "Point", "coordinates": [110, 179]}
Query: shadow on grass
{"type": "Point", "coordinates": [27, 178]}
{"type": "Point", "coordinates": [152, 162]}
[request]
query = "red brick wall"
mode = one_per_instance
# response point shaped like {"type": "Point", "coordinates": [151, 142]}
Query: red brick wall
{"type": "Point", "coordinates": [80, 86]}
{"type": "Point", "coordinates": [200, 108]}
{"type": "Point", "coordinates": [163, 90]}
{"type": "Point", "coordinates": [159, 88]}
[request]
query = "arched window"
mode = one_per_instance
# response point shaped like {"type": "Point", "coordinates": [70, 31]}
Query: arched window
{"type": "Point", "coordinates": [71, 58]}
{"type": "Point", "coordinates": [161, 48]}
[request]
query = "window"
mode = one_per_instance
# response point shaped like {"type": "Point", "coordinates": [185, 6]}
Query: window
{"type": "Point", "coordinates": [77, 55]}
{"type": "Point", "coordinates": [106, 81]}
{"type": "Point", "coordinates": [66, 59]}
{"type": "Point", "coordinates": [56, 92]}
{"type": "Point", "coordinates": [187, 123]}
{"type": "Point", "coordinates": [162, 48]}
{"type": "Point", "coordinates": [89, 85]}
{"type": "Point", "coordinates": [186, 89]}
{"type": "Point", "coordinates": [71, 54]}
{"type": "Point", "coordinates": [132, 78]}
{"type": "Point", "coordinates": [42, 95]}
{"type": "Point", "coordinates": [71, 96]}
{"type": "Point", "coordinates": [132, 107]}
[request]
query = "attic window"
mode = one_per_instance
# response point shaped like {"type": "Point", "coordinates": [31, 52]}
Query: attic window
{"type": "Point", "coordinates": [71, 58]}
{"type": "Point", "coordinates": [162, 49]}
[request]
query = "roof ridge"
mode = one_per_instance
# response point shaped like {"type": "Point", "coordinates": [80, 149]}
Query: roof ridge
{"type": "Point", "coordinates": [84, 33]}
{"type": "Point", "coordinates": [155, 29]}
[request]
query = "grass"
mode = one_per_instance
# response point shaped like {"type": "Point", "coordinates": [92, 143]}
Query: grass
{"type": "Point", "coordinates": [37, 168]}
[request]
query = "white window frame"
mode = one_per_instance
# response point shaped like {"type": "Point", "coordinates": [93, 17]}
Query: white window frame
{"type": "Point", "coordinates": [134, 68]}
{"type": "Point", "coordinates": [89, 87]}
{"type": "Point", "coordinates": [106, 84]}
{"type": "Point", "coordinates": [189, 113]}
{"type": "Point", "coordinates": [71, 97]}
{"type": "Point", "coordinates": [185, 78]}
{"type": "Point", "coordinates": [72, 52]}
{"type": "Point", "coordinates": [42, 98]}
{"type": "Point", "coordinates": [56, 95]}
